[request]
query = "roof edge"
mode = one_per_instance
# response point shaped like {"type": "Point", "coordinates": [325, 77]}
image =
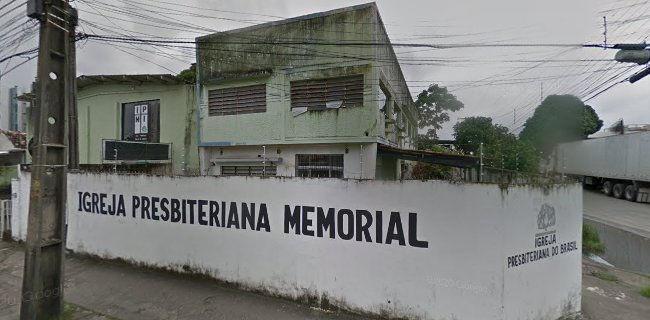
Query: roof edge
{"type": "Point", "coordinates": [294, 19]}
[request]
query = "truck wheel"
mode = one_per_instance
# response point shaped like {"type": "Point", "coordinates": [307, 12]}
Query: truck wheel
{"type": "Point", "coordinates": [607, 188]}
{"type": "Point", "coordinates": [630, 193]}
{"type": "Point", "coordinates": [618, 191]}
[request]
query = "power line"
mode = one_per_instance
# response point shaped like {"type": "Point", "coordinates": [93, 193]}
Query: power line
{"type": "Point", "coordinates": [33, 50]}
{"type": "Point", "coordinates": [344, 43]}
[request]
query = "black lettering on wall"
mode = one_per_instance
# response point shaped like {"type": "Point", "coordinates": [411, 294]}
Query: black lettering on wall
{"type": "Point", "coordinates": [325, 222]}
{"type": "Point", "coordinates": [248, 216]}
{"type": "Point", "coordinates": [202, 213]}
{"type": "Point", "coordinates": [413, 232]}
{"type": "Point", "coordinates": [306, 221]}
{"type": "Point", "coordinates": [263, 219]}
{"type": "Point", "coordinates": [233, 216]}
{"type": "Point", "coordinates": [102, 203]}
{"type": "Point", "coordinates": [120, 207]}
{"type": "Point", "coordinates": [135, 204]}
{"type": "Point", "coordinates": [154, 208]}
{"type": "Point", "coordinates": [145, 207]}
{"type": "Point", "coordinates": [112, 207]}
{"type": "Point", "coordinates": [363, 223]}
{"type": "Point", "coordinates": [291, 219]}
{"type": "Point", "coordinates": [395, 230]}
{"type": "Point", "coordinates": [164, 207]}
{"type": "Point", "coordinates": [347, 215]}
{"type": "Point", "coordinates": [183, 211]}
{"type": "Point", "coordinates": [223, 214]}
{"type": "Point", "coordinates": [95, 198]}
{"type": "Point", "coordinates": [87, 203]}
{"type": "Point", "coordinates": [191, 203]}
{"type": "Point", "coordinates": [379, 227]}
{"type": "Point", "coordinates": [176, 210]}
{"type": "Point", "coordinates": [214, 213]}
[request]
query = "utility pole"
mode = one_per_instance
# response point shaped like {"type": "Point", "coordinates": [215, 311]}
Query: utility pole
{"type": "Point", "coordinates": [73, 133]}
{"type": "Point", "coordinates": [42, 292]}
{"type": "Point", "coordinates": [517, 161]}
{"type": "Point", "coordinates": [605, 32]}
{"type": "Point", "coordinates": [481, 162]}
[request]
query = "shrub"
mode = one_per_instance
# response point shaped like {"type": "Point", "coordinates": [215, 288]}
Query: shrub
{"type": "Point", "coordinates": [591, 241]}
{"type": "Point", "coordinates": [645, 291]}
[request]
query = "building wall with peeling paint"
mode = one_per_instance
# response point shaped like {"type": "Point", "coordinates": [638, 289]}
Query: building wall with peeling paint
{"type": "Point", "coordinates": [100, 117]}
{"type": "Point", "coordinates": [251, 56]}
{"type": "Point", "coordinates": [471, 267]}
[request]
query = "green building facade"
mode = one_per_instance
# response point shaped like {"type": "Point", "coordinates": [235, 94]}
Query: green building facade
{"type": "Point", "coordinates": [314, 96]}
{"type": "Point", "coordinates": [145, 123]}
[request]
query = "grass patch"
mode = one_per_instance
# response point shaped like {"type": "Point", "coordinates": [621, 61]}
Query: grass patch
{"type": "Point", "coordinates": [605, 276]}
{"type": "Point", "coordinates": [68, 311]}
{"type": "Point", "coordinates": [591, 241]}
{"type": "Point", "coordinates": [645, 291]}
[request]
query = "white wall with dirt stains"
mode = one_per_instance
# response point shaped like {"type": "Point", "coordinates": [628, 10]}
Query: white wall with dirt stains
{"type": "Point", "coordinates": [484, 255]}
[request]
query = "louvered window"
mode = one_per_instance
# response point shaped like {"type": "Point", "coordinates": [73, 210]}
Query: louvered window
{"type": "Point", "coordinates": [237, 100]}
{"type": "Point", "coordinates": [327, 93]}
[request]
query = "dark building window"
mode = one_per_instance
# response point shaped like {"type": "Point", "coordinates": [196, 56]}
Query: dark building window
{"type": "Point", "coordinates": [249, 170]}
{"type": "Point", "coordinates": [319, 165]}
{"type": "Point", "coordinates": [141, 121]}
{"type": "Point", "coordinates": [327, 93]}
{"type": "Point", "coordinates": [237, 100]}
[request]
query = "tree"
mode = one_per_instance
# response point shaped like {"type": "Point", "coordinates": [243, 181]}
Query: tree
{"type": "Point", "coordinates": [560, 118]}
{"type": "Point", "coordinates": [434, 105]}
{"type": "Point", "coordinates": [500, 148]}
{"type": "Point", "coordinates": [427, 171]}
{"type": "Point", "coordinates": [470, 132]}
{"type": "Point", "coordinates": [425, 143]}
{"type": "Point", "coordinates": [188, 75]}
{"type": "Point", "coordinates": [591, 123]}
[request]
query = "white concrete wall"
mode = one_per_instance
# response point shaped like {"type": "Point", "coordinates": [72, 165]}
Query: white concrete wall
{"type": "Point", "coordinates": [20, 205]}
{"type": "Point", "coordinates": [358, 163]}
{"type": "Point", "coordinates": [472, 230]}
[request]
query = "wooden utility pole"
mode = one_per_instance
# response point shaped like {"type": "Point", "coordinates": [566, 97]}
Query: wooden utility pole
{"type": "Point", "coordinates": [42, 294]}
{"type": "Point", "coordinates": [73, 130]}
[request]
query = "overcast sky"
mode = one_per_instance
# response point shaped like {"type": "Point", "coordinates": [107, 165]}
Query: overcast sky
{"type": "Point", "coordinates": [490, 81]}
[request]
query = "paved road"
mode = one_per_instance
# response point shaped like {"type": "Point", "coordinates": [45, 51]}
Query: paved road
{"type": "Point", "coordinates": [117, 291]}
{"type": "Point", "coordinates": [632, 216]}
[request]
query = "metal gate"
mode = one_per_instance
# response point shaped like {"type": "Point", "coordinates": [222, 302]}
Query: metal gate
{"type": "Point", "coordinates": [5, 217]}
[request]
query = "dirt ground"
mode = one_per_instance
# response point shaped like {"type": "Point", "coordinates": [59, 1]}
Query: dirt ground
{"type": "Point", "coordinates": [610, 294]}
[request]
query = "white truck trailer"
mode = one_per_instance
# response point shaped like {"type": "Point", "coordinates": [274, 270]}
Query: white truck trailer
{"type": "Point", "coordinates": [619, 165]}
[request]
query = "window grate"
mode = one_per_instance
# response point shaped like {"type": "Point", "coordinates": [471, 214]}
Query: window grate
{"type": "Point", "coordinates": [249, 170]}
{"type": "Point", "coordinates": [237, 100]}
{"type": "Point", "coordinates": [319, 165]}
{"type": "Point", "coordinates": [316, 93]}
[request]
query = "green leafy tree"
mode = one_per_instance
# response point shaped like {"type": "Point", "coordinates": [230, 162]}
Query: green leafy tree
{"type": "Point", "coordinates": [560, 118]}
{"type": "Point", "coordinates": [434, 105]}
{"type": "Point", "coordinates": [501, 149]}
{"type": "Point", "coordinates": [427, 171]}
{"type": "Point", "coordinates": [188, 75]}
{"type": "Point", "coordinates": [426, 143]}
